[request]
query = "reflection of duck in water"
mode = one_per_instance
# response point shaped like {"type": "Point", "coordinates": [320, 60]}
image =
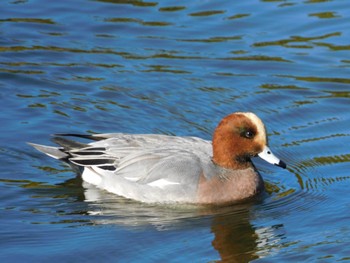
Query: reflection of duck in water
{"type": "Point", "coordinates": [233, 236]}
{"type": "Point", "coordinates": [159, 168]}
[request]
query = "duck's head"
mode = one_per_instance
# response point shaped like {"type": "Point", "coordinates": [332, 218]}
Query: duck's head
{"type": "Point", "coordinates": [237, 138]}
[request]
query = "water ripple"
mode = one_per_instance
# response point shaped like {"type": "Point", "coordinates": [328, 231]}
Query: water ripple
{"type": "Point", "coordinates": [176, 68]}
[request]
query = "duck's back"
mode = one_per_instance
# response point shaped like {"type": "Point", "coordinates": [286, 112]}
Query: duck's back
{"type": "Point", "coordinates": [149, 168]}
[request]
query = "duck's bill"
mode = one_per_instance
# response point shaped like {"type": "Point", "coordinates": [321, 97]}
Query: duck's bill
{"type": "Point", "coordinates": [269, 157]}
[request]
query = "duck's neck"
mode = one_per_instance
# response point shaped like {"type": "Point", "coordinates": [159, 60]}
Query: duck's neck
{"type": "Point", "coordinates": [231, 163]}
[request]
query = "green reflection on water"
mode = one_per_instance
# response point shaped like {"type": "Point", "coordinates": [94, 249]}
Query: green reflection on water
{"type": "Point", "coordinates": [130, 2]}
{"type": "Point", "coordinates": [167, 69]}
{"type": "Point", "coordinates": [286, 193]}
{"type": "Point", "coordinates": [118, 104]}
{"type": "Point", "coordinates": [27, 183]}
{"type": "Point", "coordinates": [37, 185]}
{"type": "Point", "coordinates": [277, 87]}
{"type": "Point", "coordinates": [125, 55]}
{"type": "Point", "coordinates": [344, 158]}
{"type": "Point", "coordinates": [28, 20]}
{"type": "Point", "coordinates": [317, 1]}
{"type": "Point", "coordinates": [87, 79]}
{"type": "Point", "coordinates": [52, 170]}
{"type": "Point", "coordinates": [317, 79]}
{"type": "Point", "coordinates": [238, 16]}
{"type": "Point", "coordinates": [294, 39]}
{"type": "Point", "coordinates": [325, 15]}
{"type": "Point", "coordinates": [172, 8]}
{"type": "Point", "coordinates": [99, 107]}
{"type": "Point", "coordinates": [259, 58]}
{"type": "Point", "coordinates": [334, 47]}
{"type": "Point", "coordinates": [214, 89]}
{"type": "Point", "coordinates": [31, 64]}
{"type": "Point", "coordinates": [172, 56]}
{"type": "Point", "coordinates": [299, 142]}
{"type": "Point", "coordinates": [57, 49]}
{"type": "Point", "coordinates": [44, 94]}
{"type": "Point", "coordinates": [124, 20]}
{"type": "Point", "coordinates": [61, 113]}
{"type": "Point", "coordinates": [208, 13]}
{"type": "Point", "coordinates": [138, 21]}
{"type": "Point", "coordinates": [212, 39]}
{"type": "Point", "coordinates": [36, 105]}
{"type": "Point", "coordinates": [22, 71]}
{"type": "Point", "coordinates": [156, 23]}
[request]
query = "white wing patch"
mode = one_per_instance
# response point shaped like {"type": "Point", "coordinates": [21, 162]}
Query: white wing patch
{"type": "Point", "coordinates": [91, 176]}
{"type": "Point", "coordinates": [161, 183]}
{"type": "Point", "coordinates": [133, 179]}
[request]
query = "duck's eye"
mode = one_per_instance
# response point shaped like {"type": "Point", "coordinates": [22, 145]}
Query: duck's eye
{"type": "Point", "coordinates": [247, 134]}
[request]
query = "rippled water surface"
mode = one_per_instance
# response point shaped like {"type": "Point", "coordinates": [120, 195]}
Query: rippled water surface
{"type": "Point", "coordinates": [175, 67]}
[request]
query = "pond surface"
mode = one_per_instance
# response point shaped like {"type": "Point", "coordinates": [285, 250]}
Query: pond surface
{"type": "Point", "coordinates": [175, 67]}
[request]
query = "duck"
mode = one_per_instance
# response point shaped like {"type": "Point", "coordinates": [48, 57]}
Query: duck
{"type": "Point", "coordinates": [156, 168]}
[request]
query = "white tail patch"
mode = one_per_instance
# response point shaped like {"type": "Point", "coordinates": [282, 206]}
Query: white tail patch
{"type": "Point", "coordinates": [91, 176]}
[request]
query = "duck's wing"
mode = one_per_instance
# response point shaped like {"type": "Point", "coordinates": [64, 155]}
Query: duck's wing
{"type": "Point", "coordinates": [134, 140]}
{"type": "Point", "coordinates": [142, 167]}
{"type": "Point", "coordinates": [131, 149]}
{"type": "Point", "coordinates": [155, 166]}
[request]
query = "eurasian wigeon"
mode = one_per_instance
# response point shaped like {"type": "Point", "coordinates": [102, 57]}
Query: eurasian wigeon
{"type": "Point", "coordinates": [164, 169]}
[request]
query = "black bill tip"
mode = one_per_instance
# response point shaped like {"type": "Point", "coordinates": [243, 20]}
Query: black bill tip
{"type": "Point", "coordinates": [281, 164]}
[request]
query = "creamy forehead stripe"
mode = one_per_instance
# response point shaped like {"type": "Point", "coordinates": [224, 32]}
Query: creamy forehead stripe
{"type": "Point", "coordinates": [261, 136]}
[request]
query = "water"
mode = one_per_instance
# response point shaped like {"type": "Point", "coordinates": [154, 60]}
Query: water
{"type": "Point", "coordinates": [175, 67]}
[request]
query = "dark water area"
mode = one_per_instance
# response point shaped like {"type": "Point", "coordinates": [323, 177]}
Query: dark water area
{"type": "Point", "coordinates": [175, 67]}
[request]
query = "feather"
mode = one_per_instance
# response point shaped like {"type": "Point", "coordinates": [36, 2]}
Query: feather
{"type": "Point", "coordinates": [68, 144]}
{"type": "Point", "coordinates": [91, 161]}
{"type": "Point", "coordinates": [85, 136]}
{"type": "Point", "coordinates": [55, 152]}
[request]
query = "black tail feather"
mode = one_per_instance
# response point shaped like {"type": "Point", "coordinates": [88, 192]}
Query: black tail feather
{"type": "Point", "coordinates": [68, 144]}
{"type": "Point", "coordinates": [85, 136]}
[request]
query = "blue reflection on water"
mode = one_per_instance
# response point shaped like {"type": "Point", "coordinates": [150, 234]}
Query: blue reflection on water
{"type": "Point", "coordinates": [175, 68]}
